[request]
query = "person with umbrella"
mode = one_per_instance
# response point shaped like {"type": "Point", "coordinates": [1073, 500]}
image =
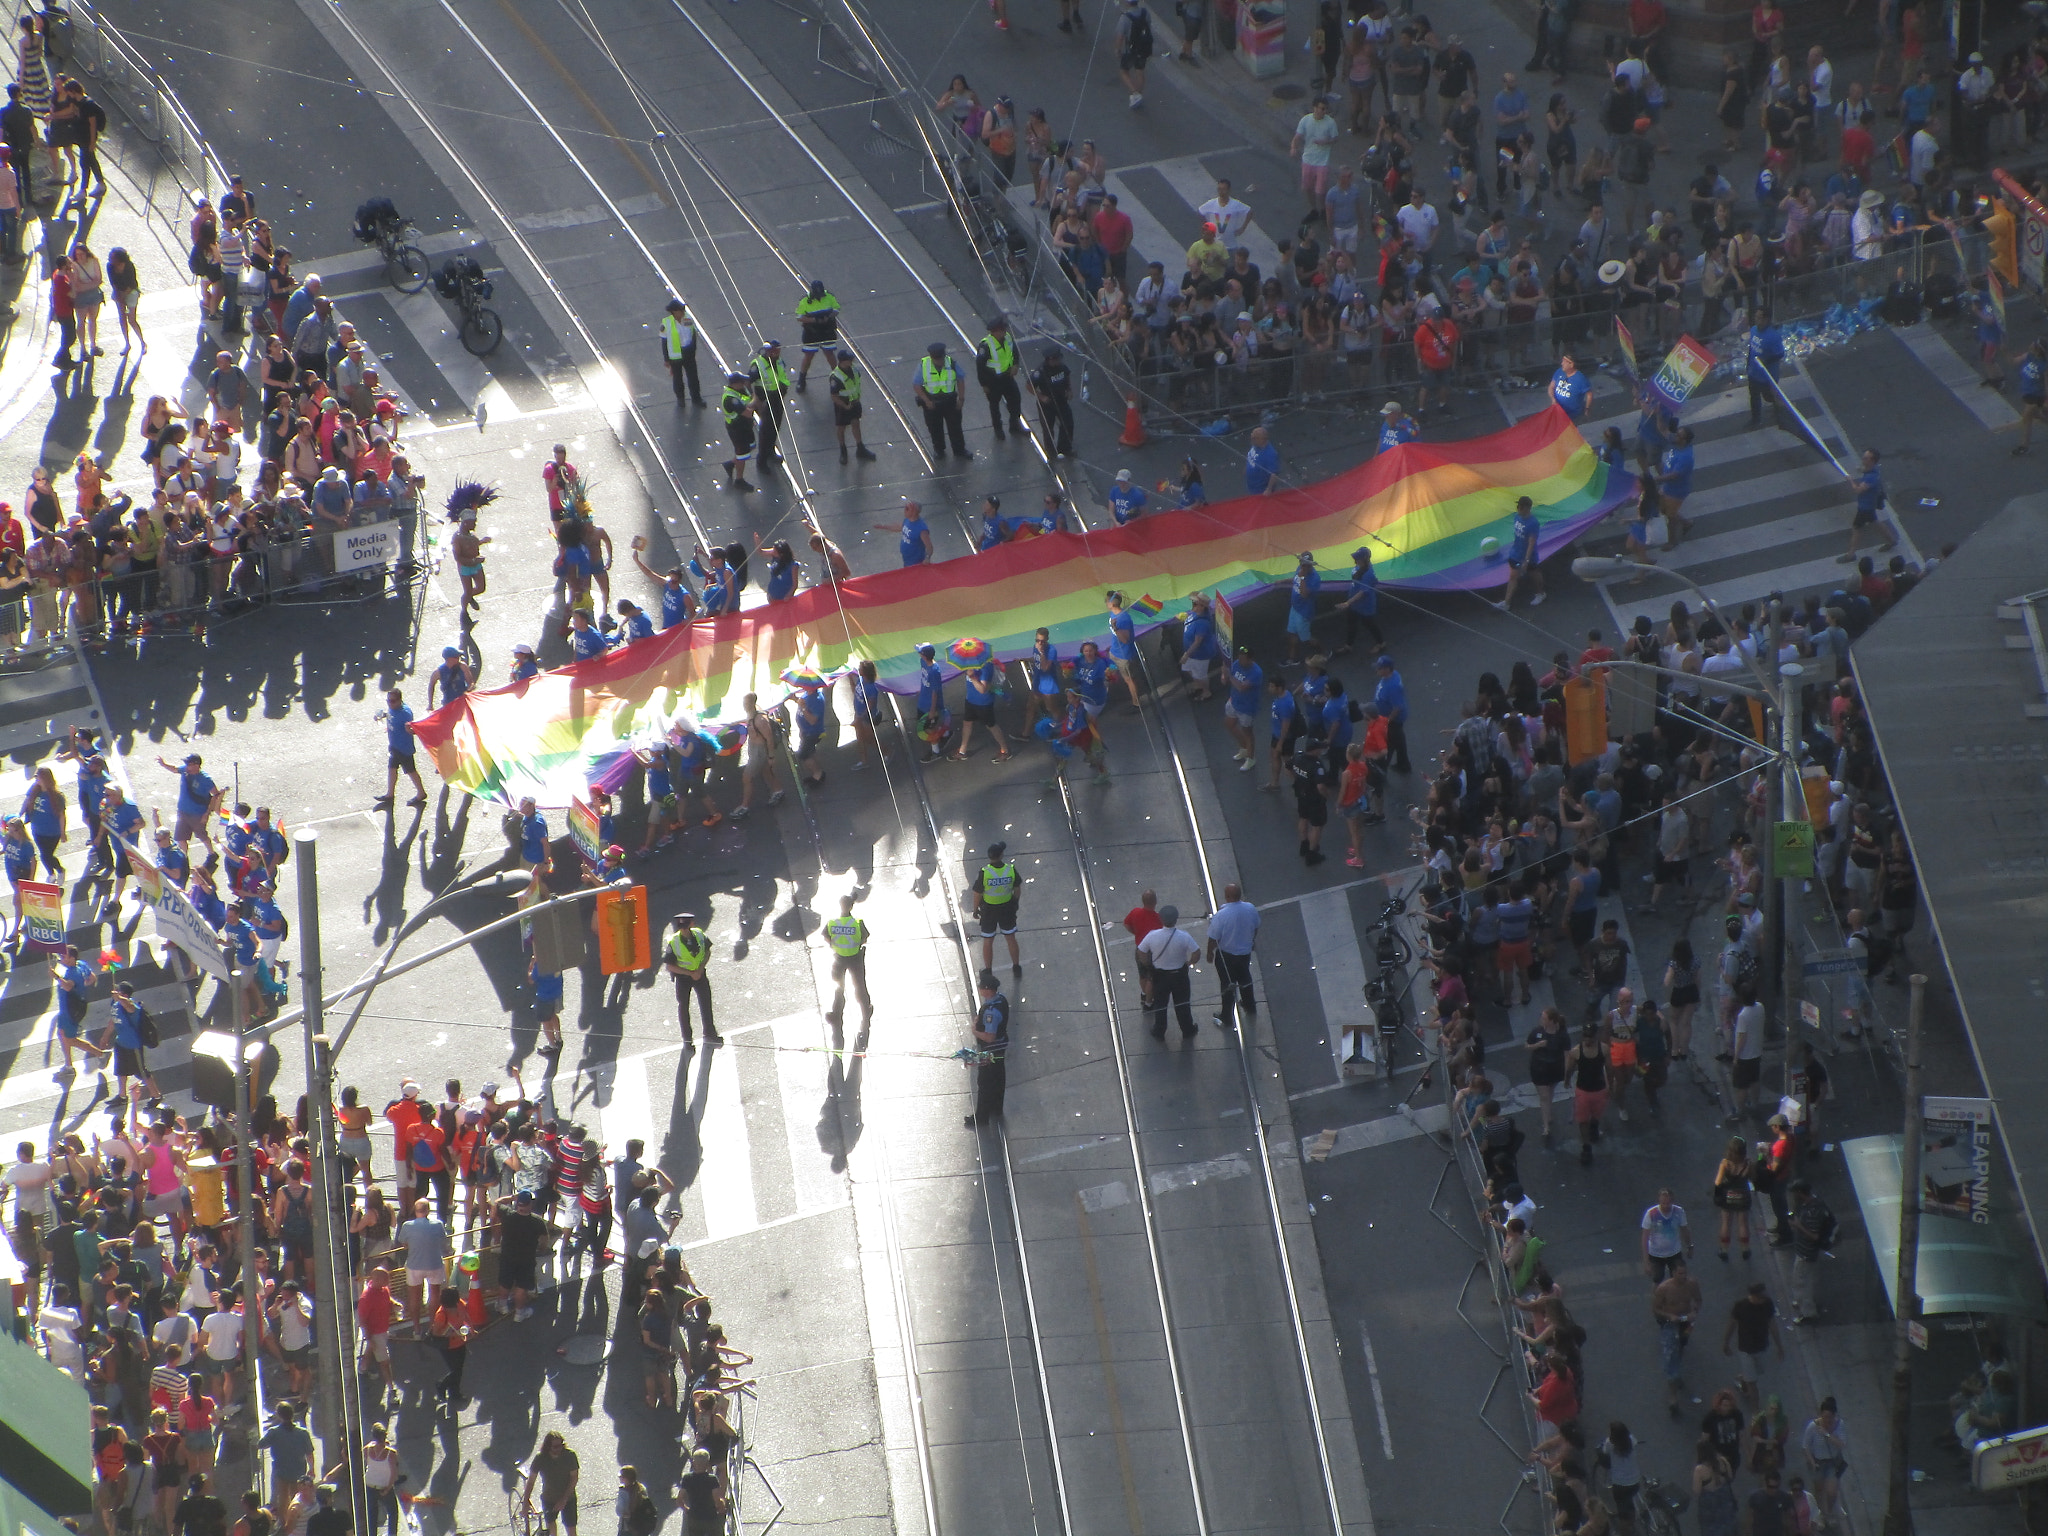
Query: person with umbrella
{"type": "Point", "coordinates": [981, 670]}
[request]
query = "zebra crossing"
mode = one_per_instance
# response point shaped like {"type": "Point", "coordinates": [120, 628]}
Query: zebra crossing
{"type": "Point", "coordinates": [1162, 198]}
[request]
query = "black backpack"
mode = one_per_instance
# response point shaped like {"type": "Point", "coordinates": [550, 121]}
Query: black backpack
{"type": "Point", "coordinates": [1140, 40]}
{"type": "Point", "coordinates": [1748, 974]}
{"type": "Point", "coordinates": [145, 1026]}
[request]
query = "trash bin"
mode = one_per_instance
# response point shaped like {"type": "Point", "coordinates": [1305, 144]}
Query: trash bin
{"type": "Point", "coordinates": [1262, 37]}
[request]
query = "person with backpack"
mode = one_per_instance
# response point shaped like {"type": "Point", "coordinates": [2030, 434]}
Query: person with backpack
{"type": "Point", "coordinates": [1134, 48]}
{"type": "Point", "coordinates": [129, 1033]}
{"type": "Point", "coordinates": [1874, 951]}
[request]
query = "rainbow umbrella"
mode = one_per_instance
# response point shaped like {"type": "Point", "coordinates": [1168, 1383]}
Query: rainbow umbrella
{"type": "Point", "coordinates": [967, 651]}
{"type": "Point", "coordinates": [803, 677]}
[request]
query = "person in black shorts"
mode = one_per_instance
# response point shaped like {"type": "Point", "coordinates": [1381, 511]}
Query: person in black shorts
{"type": "Point", "coordinates": [1311, 805]}
{"type": "Point", "coordinates": [997, 886]}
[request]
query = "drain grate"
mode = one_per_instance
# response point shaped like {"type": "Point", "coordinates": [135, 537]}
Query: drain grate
{"type": "Point", "coordinates": [1287, 92]}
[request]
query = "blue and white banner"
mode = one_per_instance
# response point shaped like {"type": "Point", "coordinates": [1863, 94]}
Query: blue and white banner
{"type": "Point", "coordinates": [177, 920]}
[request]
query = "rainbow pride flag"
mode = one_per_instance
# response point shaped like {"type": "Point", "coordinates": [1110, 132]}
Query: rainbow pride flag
{"type": "Point", "coordinates": [1435, 515]}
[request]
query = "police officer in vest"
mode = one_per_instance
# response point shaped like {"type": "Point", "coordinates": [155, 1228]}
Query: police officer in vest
{"type": "Point", "coordinates": [845, 385]}
{"type": "Point", "coordinates": [848, 936]}
{"type": "Point", "coordinates": [1053, 385]}
{"type": "Point", "coordinates": [818, 313]}
{"type": "Point", "coordinates": [995, 365]}
{"type": "Point", "coordinates": [996, 888]}
{"type": "Point", "coordinates": [771, 397]}
{"type": "Point", "coordinates": [688, 959]}
{"type": "Point", "coordinates": [736, 405]}
{"type": "Point", "coordinates": [679, 351]}
{"type": "Point", "coordinates": [992, 1039]}
{"type": "Point", "coordinates": [938, 396]}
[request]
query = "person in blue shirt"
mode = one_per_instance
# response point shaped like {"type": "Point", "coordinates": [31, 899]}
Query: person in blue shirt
{"type": "Point", "coordinates": [634, 624]}
{"type": "Point", "coordinates": [402, 751]}
{"type": "Point", "coordinates": [1199, 652]}
{"type": "Point", "coordinates": [867, 711]}
{"type": "Point", "coordinates": [1336, 722]}
{"type": "Point", "coordinates": [809, 707]}
{"type": "Point", "coordinates": [19, 853]}
{"type": "Point", "coordinates": [92, 790]}
{"type": "Point", "coordinates": [123, 1037]}
{"type": "Point", "coordinates": [1042, 673]}
{"type": "Point", "coordinates": [1301, 603]}
{"type": "Point", "coordinates": [122, 822]}
{"type": "Point", "coordinates": [170, 858]}
{"type": "Point", "coordinates": [662, 820]}
{"type": "Point", "coordinates": [1192, 492]}
{"type": "Point", "coordinates": [547, 1008]}
{"type": "Point", "coordinates": [239, 940]}
{"type": "Point", "coordinates": [1241, 708]}
{"type": "Point", "coordinates": [205, 899]}
{"type": "Point", "coordinates": [1396, 427]}
{"type": "Point", "coordinates": [1362, 602]}
{"type": "Point", "coordinates": [73, 983]}
{"type": "Point", "coordinates": [678, 604]}
{"type": "Point", "coordinates": [1123, 644]}
{"type": "Point", "coordinates": [1283, 724]}
{"type": "Point", "coordinates": [1870, 504]}
{"type": "Point", "coordinates": [1052, 517]}
{"type": "Point", "coordinates": [1126, 498]}
{"type": "Point", "coordinates": [723, 582]}
{"type": "Point", "coordinates": [1611, 450]}
{"type": "Point", "coordinates": [198, 798]}
{"type": "Point", "coordinates": [1091, 678]}
{"type": "Point", "coordinates": [1764, 349]}
{"type": "Point", "coordinates": [913, 534]}
{"type": "Point", "coordinates": [1524, 555]}
{"type": "Point", "coordinates": [779, 585]}
{"type": "Point", "coordinates": [689, 765]}
{"type": "Point", "coordinates": [1390, 698]}
{"type": "Point", "coordinates": [1674, 483]}
{"type": "Point", "coordinates": [454, 677]}
{"type": "Point", "coordinates": [43, 808]}
{"type": "Point", "coordinates": [1261, 465]}
{"type": "Point", "coordinates": [931, 700]}
{"type": "Point", "coordinates": [2033, 392]}
{"type": "Point", "coordinates": [995, 529]}
{"type": "Point", "coordinates": [1653, 427]}
{"type": "Point", "coordinates": [1916, 104]}
{"type": "Point", "coordinates": [533, 835]}
{"type": "Point", "coordinates": [586, 640]}
{"type": "Point", "coordinates": [268, 923]}
{"type": "Point", "coordinates": [981, 710]}
{"type": "Point", "coordinates": [1990, 353]}
{"type": "Point", "coordinates": [1570, 388]}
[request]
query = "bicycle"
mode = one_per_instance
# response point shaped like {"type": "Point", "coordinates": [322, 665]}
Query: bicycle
{"type": "Point", "coordinates": [1658, 1508]}
{"type": "Point", "coordinates": [405, 264]}
{"type": "Point", "coordinates": [482, 330]}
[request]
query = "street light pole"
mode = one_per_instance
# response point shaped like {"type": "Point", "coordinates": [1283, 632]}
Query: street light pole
{"type": "Point", "coordinates": [1898, 1513]}
{"type": "Point", "coordinates": [1790, 676]}
{"type": "Point", "coordinates": [245, 1182]}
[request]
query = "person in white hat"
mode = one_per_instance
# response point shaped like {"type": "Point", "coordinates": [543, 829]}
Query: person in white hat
{"type": "Point", "coordinates": [524, 665]}
{"type": "Point", "coordinates": [1866, 226]}
{"type": "Point", "coordinates": [1126, 498]}
{"type": "Point", "coordinates": [1396, 426]}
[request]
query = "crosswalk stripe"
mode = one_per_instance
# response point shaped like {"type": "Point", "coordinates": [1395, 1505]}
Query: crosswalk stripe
{"type": "Point", "coordinates": [1194, 182]}
{"type": "Point", "coordinates": [628, 1113]}
{"type": "Point", "coordinates": [1150, 239]}
{"type": "Point", "coordinates": [1756, 491]}
{"type": "Point", "coordinates": [1339, 967]}
{"type": "Point", "coordinates": [1694, 553]}
{"type": "Point", "coordinates": [725, 1177]}
{"type": "Point", "coordinates": [1943, 361]}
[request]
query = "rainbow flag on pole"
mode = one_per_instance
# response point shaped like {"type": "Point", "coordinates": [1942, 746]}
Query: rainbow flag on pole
{"type": "Point", "coordinates": [1436, 515]}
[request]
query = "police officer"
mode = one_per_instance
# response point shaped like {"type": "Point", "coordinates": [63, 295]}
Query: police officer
{"type": "Point", "coordinates": [679, 351]}
{"type": "Point", "coordinates": [818, 313]}
{"type": "Point", "coordinates": [938, 395]}
{"type": "Point", "coordinates": [736, 405]}
{"type": "Point", "coordinates": [992, 1038]}
{"type": "Point", "coordinates": [996, 888]}
{"type": "Point", "coordinates": [845, 385]}
{"type": "Point", "coordinates": [848, 936]}
{"type": "Point", "coordinates": [771, 397]}
{"type": "Point", "coordinates": [995, 364]}
{"type": "Point", "coordinates": [1052, 384]}
{"type": "Point", "coordinates": [688, 960]}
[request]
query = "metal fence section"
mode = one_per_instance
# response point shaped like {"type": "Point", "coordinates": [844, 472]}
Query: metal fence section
{"type": "Point", "coordinates": [171, 162]}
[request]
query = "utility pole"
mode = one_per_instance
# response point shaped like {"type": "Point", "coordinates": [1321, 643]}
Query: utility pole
{"type": "Point", "coordinates": [245, 1188]}
{"type": "Point", "coordinates": [1789, 804]}
{"type": "Point", "coordinates": [1898, 1512]}
{"type": "Point", "coordinates": [1771, 903]}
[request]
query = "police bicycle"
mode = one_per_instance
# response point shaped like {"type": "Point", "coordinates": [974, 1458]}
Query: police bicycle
{"type": "Point", "coordinates": [379, 223]}
{"type": "Point", "coordinates": [1386, 990]}
{"type": "Point", "coordinates": [461, 281]}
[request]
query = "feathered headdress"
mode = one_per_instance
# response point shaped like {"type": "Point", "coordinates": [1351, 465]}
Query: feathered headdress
{"type": "Point", "coordinates": [470, 496]}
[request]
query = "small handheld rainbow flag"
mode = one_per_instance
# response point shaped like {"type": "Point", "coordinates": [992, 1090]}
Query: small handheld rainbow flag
{"type": "Point", "coordinates": [1147, 608]}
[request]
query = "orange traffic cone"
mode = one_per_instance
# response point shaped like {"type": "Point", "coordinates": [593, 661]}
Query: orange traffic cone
{"type": "Point", "coordinates": [1134, 425]}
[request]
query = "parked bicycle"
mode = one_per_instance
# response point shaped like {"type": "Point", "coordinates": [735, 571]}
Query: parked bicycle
{"type": "Point", "coordinates": [379, 223]}
{"type": "Point", "coordinates": [461, 281]}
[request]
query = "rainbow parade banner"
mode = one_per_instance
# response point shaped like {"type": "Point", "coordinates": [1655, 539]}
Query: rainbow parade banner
{"type": "Point", "coordinates": [1435, 515]}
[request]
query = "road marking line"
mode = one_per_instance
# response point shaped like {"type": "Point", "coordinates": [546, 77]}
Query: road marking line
{"type": "Point", "coordinates": [1339, 968]}
{"type": "Point", "coordinates": [1134, 1514]}
{"type": "Point", "coordinates": [1379, 1398]}
{"type": "Point", "coordinates": [725, 1176]}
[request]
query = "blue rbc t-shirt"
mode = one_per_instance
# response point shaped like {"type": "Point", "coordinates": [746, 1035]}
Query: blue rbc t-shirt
{"type": "Point", "coordinates": [1282, 710]}
{"type": "Point", "coordinates": [398, 730]}
{"type": "Point", "coordinates": [39, 810]}
{"type": "Point", "coordinates": [1301, 597]}
{"type": "Point", "coordinates": [2033, 377]}
{"type": "Point", "coordinates": [1246, 678]}
{"type": "Point", "coordinates": [1365, 591]}
{"type": "Point", "coordinates": [1126, 500]}
{"type": "Point", "coordinates": [533, 838]}
{"type": "Point", "coordinates": [1677, 471]}
{"type": "Point", "coordinates": [587, 642]}
{"type": "Point", "coordinates": [195, 794]}
{"type": "Point", "coordinates": [1394, 433]}
{"type": "Point", "coordinates": [810, 712]}
{"type": "Point", "coordinates": [1198, 636]}
{"type": "Point", "coordinates": [910, 542]}
{"type": "Point", "coordinates": [1092, 679]}
{"type": "Point", "coordinates": [931, 688]}
{"type": "Point", "coordinates": [126, 821]}
{"type": "Point", "coordinates": [981, 684]}
{"type": "Point", "coordinates": [675, 605]}
{"type": "Point", "coordinates": [1571, 391]}
{"type": "Point", "coordinates": [1522, 541]}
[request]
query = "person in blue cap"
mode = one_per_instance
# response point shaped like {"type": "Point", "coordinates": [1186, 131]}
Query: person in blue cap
{"type": "Point", "coordinates": [1362, 602]}
{"type": "Point", "coordinates": [1571, 388]}
{"type": "Point", "coordinates": [931, 698]}
{"type": "Point", "coordinates": [1390, 698]}
{"type": "Point", "coordinates": [454, 677]}
{"type": "Point", "coordinates": [1524, 558]}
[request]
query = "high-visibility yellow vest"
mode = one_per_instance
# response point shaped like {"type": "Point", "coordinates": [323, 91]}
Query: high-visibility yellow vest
{"type": "Point", "coordinates": [808, 306]}
{"type": "Point", "coordinates": [772, 375]}
{"type": "Point", "coordinates": [1002, 354]}
{"type": "Point", "coordinates": [732, 401]}
{"type": "Point", "coordinates": [848, 936]}
{"type": "Point", "coordinates": [849, 385]}
{"type": "Point", "coordinates": [998, 883]}
{"type": "Point", "coordinates": [677, 337]}
{"type": "Point", "coordinates": [937, 379]}
{"type": "Point", "coordinates": [690, 949]}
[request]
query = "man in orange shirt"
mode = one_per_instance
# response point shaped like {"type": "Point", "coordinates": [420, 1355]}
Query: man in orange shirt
{"type": "Point", "coordinates": [405, 1113]}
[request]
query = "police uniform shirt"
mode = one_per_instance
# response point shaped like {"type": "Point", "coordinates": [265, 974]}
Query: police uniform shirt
{"type": "Point", "coordinates": [1052, 380]}
{"type": "Point", "coordinates": [994, 1019]}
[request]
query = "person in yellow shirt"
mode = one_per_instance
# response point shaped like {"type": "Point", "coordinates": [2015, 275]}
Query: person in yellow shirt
{"type": "Point", "coordinates": [1206, 257]}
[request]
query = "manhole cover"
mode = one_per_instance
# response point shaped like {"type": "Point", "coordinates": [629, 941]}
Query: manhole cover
{"type": "Point", "coordinates": [882, 147]}
{"type": "Point", "coordinates": [585, 1349]}
{"type": "Point", "coordinates": [1289, 92]}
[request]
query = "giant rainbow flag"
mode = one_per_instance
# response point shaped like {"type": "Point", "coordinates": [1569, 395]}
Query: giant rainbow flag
{"type": "Point", "coordinates": [1436, 516]}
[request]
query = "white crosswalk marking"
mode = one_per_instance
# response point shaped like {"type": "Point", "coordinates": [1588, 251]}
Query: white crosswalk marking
{"type": "Point", "coordinates": [1340, 968]}
{"type": "Point", "coordinates": [1197, 185]}
{"type": "Point", "coordinates": [725, 1178]}
{"type": "Point", "coordinates": [1164, 233]}
{"type": "Point", "coordinates": [1946, 364]}
{"type": "Point", "coordinates": [626, 1111]}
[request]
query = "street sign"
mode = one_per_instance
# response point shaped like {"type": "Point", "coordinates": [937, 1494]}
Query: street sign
{"type": "Point", "coordinates": [357, 549]}
{"type": "Point", "coordinates": [1809, 1014]}
{"type": "Point", "coordinates": [1916, 1334]}
{"type": "Point", "coordinates": [1792, 850]}
{"type": "Point", "coordinates": [2010, 1460]}
{"type": "Point", "coordinates": [1832, 963]}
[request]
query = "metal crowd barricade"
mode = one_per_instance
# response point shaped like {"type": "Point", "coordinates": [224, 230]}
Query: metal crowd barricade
{"type": "Point", "coordinates": [124, 81]}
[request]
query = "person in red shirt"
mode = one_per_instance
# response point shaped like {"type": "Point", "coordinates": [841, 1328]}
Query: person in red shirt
{"type": "Point", "coordinates": [1858, 148]}
{"type": "Point", "coordinates": [1138, 922]}
{"type": "Point", "coordinates": [64, 315]}
{"type": "Point", "coordinates": [374, 1311]}
{"type": "Point", "coordinates": [1436, 349]}
{"type": "Point", "coordinates": [1114, 232]}
{"type": "Point", "coordinates": [405, 1113]}
{"type": "Point", "coordinates": [1597, 650]}
{"type": "Point", "coordinates": [1557, 1402]}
